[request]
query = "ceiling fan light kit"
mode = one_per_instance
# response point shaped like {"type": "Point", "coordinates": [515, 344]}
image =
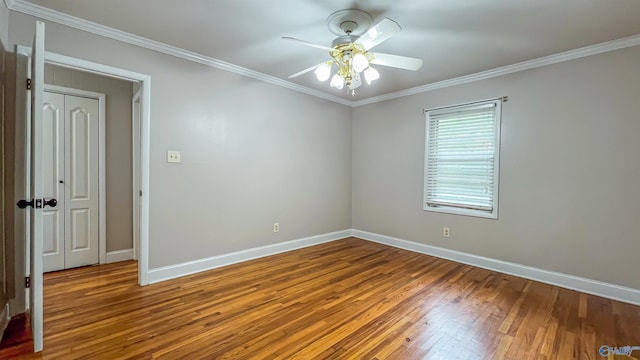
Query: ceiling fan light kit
{"type": "Point", "coordinates": [350, 50]}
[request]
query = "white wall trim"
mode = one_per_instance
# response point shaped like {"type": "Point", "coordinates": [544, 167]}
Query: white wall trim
{"type": "Point", "coordinates": [91, 27]}
{"type": "Point", "coordinates": [102, 180]}
{"type": "Point", "coordinates": [594, 287]}
{"type": "Point", "coordinates": [612, 45]}
{"type": "Point", "coordinates": [119, 255]}
{"type": "Point", "coordinates": [135, 161]}
{"type": "Point", "coordinates": [589, 286]}
{"type": "Point", "coordinates": [192, 267]}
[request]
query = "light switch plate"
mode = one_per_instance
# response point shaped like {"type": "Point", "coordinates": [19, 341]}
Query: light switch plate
{"type": "Point", "coordinates": [173, 156]}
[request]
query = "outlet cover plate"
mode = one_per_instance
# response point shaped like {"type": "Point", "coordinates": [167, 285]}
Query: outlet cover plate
{"type": "Point", "coordinates": [173, 156]}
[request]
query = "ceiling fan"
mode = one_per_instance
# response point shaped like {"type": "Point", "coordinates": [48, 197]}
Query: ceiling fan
{"type": "Point", "coordinates": [350, 51]}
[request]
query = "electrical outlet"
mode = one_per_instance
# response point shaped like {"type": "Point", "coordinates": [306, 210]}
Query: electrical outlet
{"type": "Point", "coordinates": [445, 232]}
{"type": "Point", "coordinates": [276, 227]}
{"type": "Point", "coordinates": [173, 156]}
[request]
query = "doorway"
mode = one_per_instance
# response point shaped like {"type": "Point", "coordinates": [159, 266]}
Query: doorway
{"type": "Point", "coordinates": [119, 162]}
{"type": "Point", "coordinates": [140, 128]}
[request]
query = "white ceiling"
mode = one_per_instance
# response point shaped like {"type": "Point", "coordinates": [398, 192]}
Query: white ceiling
{"type": "Point", "coordinates": [453, 37]}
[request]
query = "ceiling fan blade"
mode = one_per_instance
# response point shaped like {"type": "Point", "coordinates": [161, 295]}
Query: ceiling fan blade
{"type": "Point", "coordinates": [306, 70]}
{"type": "Point", "coordinates": [379, 33]}
{"type": "Point", "coordinates": [306, 43]}
{"type": "Point", "coordinates": [396, 61]}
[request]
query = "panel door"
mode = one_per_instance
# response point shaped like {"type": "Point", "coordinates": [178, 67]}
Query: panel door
{"type": "Point", "coordinates": [52, 178]}
{"type": "Point", "coordinates": [81, 181]}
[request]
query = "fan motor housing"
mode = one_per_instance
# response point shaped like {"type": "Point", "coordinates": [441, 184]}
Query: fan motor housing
{"type": "Point", "coordinates": [345, 39]}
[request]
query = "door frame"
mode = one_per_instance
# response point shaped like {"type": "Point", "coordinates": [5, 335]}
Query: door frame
{"type": "Point", "coordinates": [102, 184]}
{"type": "Point", "coordinates": [135, 162]}
{"type": "Point", "coordinates": [145, 129]}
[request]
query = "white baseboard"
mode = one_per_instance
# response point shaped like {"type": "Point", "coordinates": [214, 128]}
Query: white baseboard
{"type": "Point", "coordinates": [594, 287]}
{"type": "Point", "coordinates": [4, 319]}
{"type": "Point", "coordinates": [16, 307]}
{"type": "Point", "coordinates": [119, 255]}
{"type": "Point", "coordinates": [192, 267]}
{"type": "Point", "coordinates": [589, 286]}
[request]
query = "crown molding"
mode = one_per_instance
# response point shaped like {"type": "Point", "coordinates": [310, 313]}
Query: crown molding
{"type": "Point", "coordinates": [91, 27]}
{"type": "Point", "coordinates": [612, 45]}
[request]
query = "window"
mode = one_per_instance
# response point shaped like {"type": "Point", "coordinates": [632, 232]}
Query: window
{"type": "Point", "coordinates": [461, 159]}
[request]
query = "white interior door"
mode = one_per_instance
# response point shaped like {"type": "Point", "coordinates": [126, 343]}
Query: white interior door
{"type": "Point", "coordinates": [36, 212]}
{"type": "Point", "coordinates": [70, 174]}
{"type": "Point", "coordinates": [81, 181]}
{"type": "Point", "coordinates": [53, 250]}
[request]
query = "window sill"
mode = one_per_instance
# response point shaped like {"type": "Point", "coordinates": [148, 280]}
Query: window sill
{"type": "Point", "coordinates": [465, 212]}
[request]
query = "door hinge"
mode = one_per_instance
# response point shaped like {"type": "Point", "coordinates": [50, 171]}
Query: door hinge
{"type": "Point", "coordinates": [140, 192]}
{"type": "Point", "coordinates": [27, 282]}
{"type": "Point", "coordinates": [28, 84]}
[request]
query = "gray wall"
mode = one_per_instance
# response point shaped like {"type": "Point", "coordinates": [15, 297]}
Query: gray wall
{"type": "Point", "coordinates": [569, 170]}
{"type": "Point", "coordinates": [119, 184]}
{"type": "Point", "coordinates": [252, 153]}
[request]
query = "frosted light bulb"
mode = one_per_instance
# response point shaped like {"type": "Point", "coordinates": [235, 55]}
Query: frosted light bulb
{"type": "Point", "coordinates": [371, 74]}
{"type": "Point", "coordinates": [323, 72]}
{"type": "Point", "coordinates": [337, 82]}
{"type": "Point", "coordinates": [359, 62]}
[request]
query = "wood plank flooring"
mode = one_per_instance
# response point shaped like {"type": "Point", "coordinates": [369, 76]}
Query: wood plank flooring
{"type": "Point", "coordinates": [347, 299]}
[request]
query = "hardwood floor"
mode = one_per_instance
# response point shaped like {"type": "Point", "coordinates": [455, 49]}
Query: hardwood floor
{"type": "Point", "coordinates": [348, 299]}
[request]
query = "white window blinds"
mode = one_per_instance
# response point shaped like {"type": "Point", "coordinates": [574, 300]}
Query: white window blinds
{"type": "Point", "coordinates": [461, 157]}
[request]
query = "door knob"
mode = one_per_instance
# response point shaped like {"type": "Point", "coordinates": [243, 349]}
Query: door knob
{"type": "Point", "coordinates": [22, 204]}
{"type": "Point", "coordinates": [50, 202]}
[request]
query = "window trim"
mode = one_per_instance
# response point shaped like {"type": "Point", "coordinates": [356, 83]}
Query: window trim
{"type": "Point", "coordinates": [460, 210]}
